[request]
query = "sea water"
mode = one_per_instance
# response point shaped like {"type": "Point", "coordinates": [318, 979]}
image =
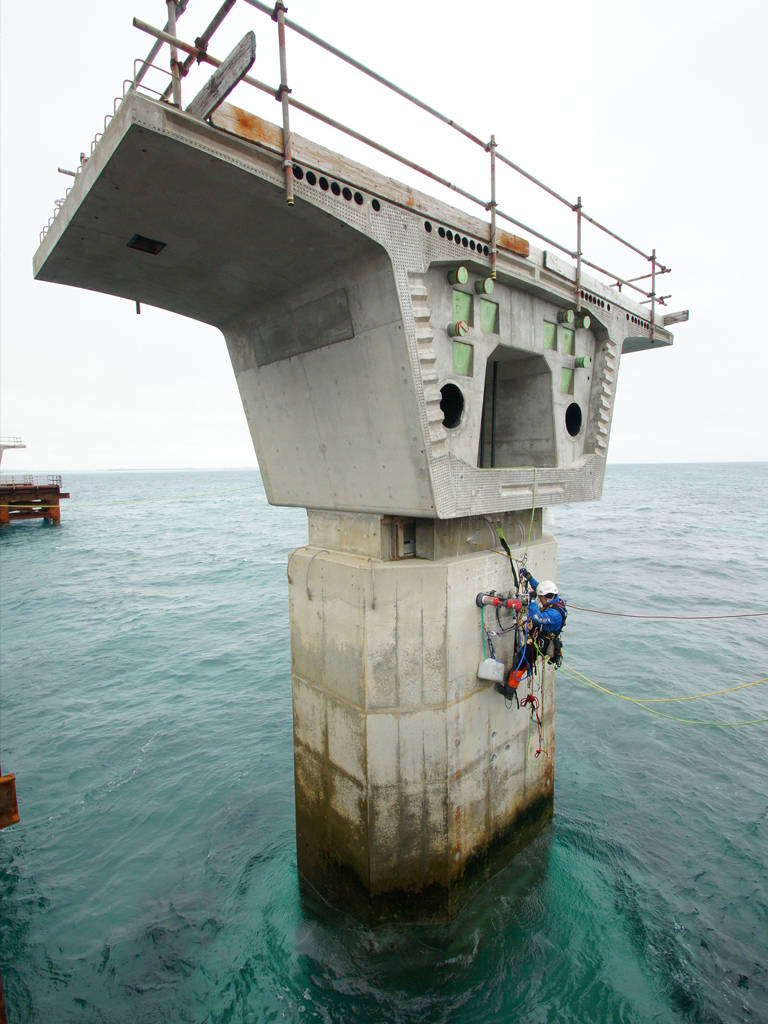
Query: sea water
{"type": "Point", "coordinates": [146, 712]}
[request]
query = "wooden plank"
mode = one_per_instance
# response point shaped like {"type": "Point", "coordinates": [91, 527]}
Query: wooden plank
{"type": "Point", "coordinates": [675, 318]}
{"type": "Point", "coordinates": [225, 78]}
{"type": "Point", "coordinates": [514, 243]}
{"type": "Point", "coordinates": [248, 126]}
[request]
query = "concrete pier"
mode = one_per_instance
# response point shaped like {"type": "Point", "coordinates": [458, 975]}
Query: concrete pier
{"type": "Point", "coordinates": [406, 384]}
{"type": "Point", "coordinates": [415, 780]}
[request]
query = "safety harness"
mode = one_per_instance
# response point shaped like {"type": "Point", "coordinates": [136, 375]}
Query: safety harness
{"type": "Point", "coordinates": [547, 641]}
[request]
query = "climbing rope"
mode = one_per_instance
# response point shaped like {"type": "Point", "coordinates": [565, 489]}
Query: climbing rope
{"type": "Point", "coordinates": [631, 615]}
{"type": "Point", "coordinates": [642, 703]}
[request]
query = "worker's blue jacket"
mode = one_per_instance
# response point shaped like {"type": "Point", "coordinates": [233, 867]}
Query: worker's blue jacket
{"type": "Point", "coordinates": [550, 618]}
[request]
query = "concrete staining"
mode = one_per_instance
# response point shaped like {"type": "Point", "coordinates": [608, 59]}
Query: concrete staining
{"type": "Point", "coordinates": [412, 778]}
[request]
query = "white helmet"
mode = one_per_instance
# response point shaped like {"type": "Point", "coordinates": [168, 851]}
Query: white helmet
{"type": "Point", "coordinates": [546, 590]}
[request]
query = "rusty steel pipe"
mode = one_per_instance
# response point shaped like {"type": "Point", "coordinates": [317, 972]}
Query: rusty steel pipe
{"type": "Point", "coordinates": [653, 294]}
{"type": "Point", "coordinates": [578, 254]}
{"type": "Point", "coordinates": [202, 41]}
{"type": "Point", "coordinates": [530, 177]}
{"type": "Point", "coordinates": [199, 54]}
{"type": "Point", "coordinates": [181, 6]}
{"type": "Point", "coordinates": [176, 76]}
{"type": "Point", "coordinates": [544, 238]}
{"type": "Point", "coordinates": [265, 9]}
{"type": "Point", "coordinates": [386, 151]}
{"type": "Point", "coordinates": [284, 92]}
{"type": "Point", "coordinates": [494, 251]}
{"type": "Point", "coordinates": [615, 277]}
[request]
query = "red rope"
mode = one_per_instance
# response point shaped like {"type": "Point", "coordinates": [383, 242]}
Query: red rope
{"type": "Point", "coordinates": [629, 615]}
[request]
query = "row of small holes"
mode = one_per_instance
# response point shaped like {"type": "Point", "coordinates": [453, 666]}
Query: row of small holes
{"type": "Point", "coordinates": [594, 298]}
{"type": "Point", "coordinates": [639, 322]}
{"type": "Point", "coordinates": [334, 186]}
{"type": "Point", "coordinates": [468, 243]}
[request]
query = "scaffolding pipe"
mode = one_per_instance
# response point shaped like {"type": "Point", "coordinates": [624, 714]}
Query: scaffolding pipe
{"type": "Point", "coordinates": [653, 294]}
{"type": "Point", "coordinates": [265, 9]}
{"type": "Point", "coordinates": [284, 93]}
{"type": "Point", "coordinates": [492, 148]}
{"type": "Point", "coordinates": [538, 234]}
{"type": "Point", "coordinates": [202, 41]}
{"type": "Point", "coordinates": [176, 79]}
{"type": "Point", "coordinates": [146, 64]}
{"type": "Point", "coordinates": [578, 254]}
{"type": "Point", "coordinates": [530, 177]}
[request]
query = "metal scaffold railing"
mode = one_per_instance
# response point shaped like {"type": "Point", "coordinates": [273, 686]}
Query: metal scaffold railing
{"type": "Point", "coordinates": [198, 53]}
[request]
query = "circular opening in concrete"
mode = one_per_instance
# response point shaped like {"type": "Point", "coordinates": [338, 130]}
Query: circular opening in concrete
{"type": "Point", "coordinates": [298, 173]}
{"type": "Point", "coordinates": [449, 235]}
{"type": "Point", "coordinates": [452, 405]}
{"type": "Point", "coordinates": [336, 188]}
{"type": "Point", "coordinates": [323, 184]}
{"type": "Point", "coordinates": [359, 198]}
{"type": "Point", "coordinates": [573, 419]}
{"type": "Point", "coordinates": [441, 232]}
{"type": "Point", "coordinates": [311, 177]}
{"type": "Point", "coordinates": [347, 193]}
{"type": "Point", "coordinates": [376, 205]}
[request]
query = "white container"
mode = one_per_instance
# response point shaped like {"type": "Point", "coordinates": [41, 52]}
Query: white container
{"type": "Point", "coordinates": [491, 670]}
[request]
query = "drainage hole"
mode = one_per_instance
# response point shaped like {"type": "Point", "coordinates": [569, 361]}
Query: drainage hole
{"type": "Point", "coordinates": [573, 419]}
{"type": "Point", "coordinates": [452, 405]}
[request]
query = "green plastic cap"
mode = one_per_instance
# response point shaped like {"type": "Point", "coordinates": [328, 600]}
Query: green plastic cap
{"type": "Point", "coordinates": [484, 286]}
{"type": "Point", "coordinates": [582, 362]}
{"type": "Point", "coordinates": [459, 275]}
{"type": "Point", "coordinates": [566, 316]}
{"type": "Point", "coordinates": [459, 329]}
{"type": "Point", "coordinates": [584, 321]}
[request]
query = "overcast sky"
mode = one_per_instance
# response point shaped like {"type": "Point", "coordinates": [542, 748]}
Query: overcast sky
{"type": "Point", "coordinates": [653, 112]}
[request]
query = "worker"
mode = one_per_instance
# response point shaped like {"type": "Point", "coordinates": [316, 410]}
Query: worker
{"type": "Point", "coordinates": [546, 617]}
{"type": "Point", "coordinates": [549, 614]}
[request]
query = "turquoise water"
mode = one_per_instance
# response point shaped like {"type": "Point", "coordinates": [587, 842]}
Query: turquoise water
{"type": "Point", "coordinates": [146, 711]}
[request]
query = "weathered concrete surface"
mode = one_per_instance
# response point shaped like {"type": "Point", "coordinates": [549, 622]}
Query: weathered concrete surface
{"type": "Point", "coordinates": [412, 781]}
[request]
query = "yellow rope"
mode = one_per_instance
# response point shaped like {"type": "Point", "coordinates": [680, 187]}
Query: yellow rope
{"type": "Point", "coordinates": [579, 677]}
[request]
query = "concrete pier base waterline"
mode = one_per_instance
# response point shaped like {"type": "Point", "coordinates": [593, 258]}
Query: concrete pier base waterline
{"type": "Point", "coordinates": [414, 779]}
